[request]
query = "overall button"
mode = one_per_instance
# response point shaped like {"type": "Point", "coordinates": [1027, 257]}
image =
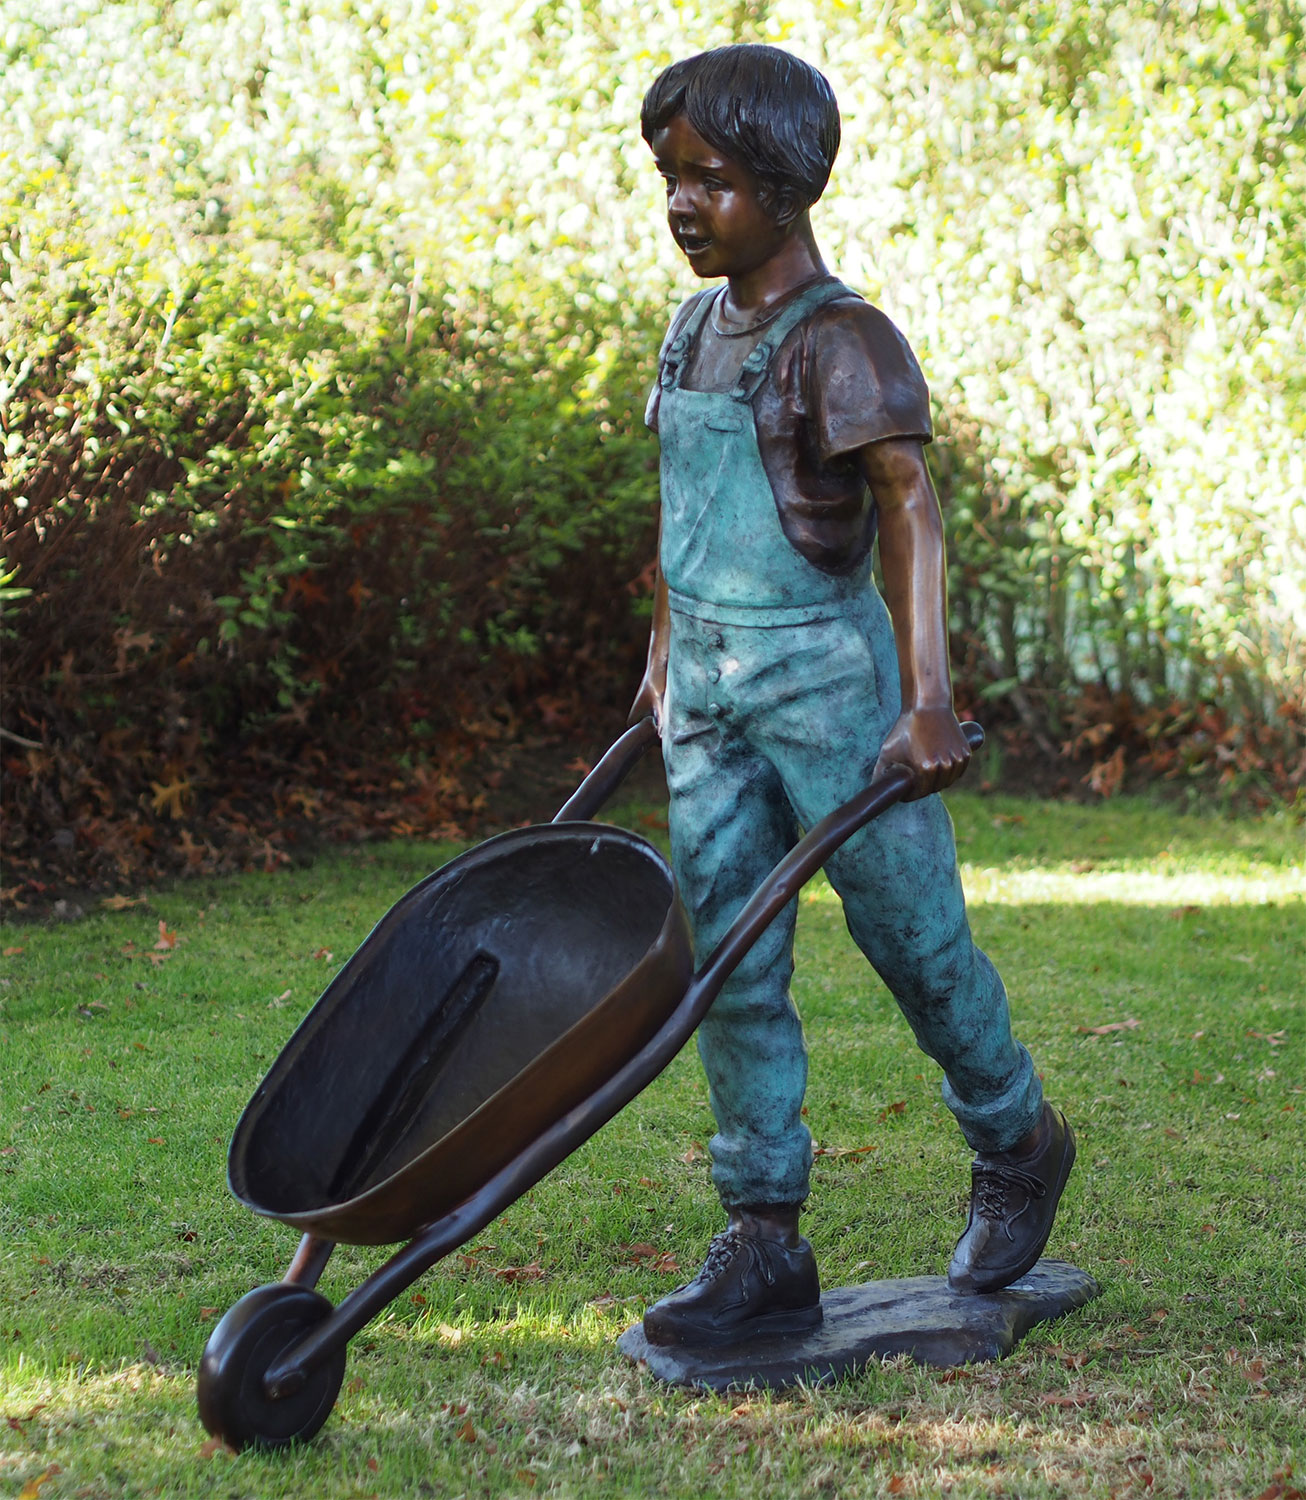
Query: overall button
{"type": "Point", "coordinates": [714, 709]}
{"type": "Point", "coordinates": [716, 641]}
{"type": "Point", "coordinates": [715, 674]}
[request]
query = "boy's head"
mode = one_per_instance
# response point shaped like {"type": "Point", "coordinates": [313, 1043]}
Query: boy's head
{"type": "Point", "coordinates": [765, 108]}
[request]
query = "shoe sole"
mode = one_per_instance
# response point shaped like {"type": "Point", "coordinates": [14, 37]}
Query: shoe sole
{"type": "Point", "coordinates": [797, 1320]}
{"type": "Point", "coordinates": [1068, 1155]}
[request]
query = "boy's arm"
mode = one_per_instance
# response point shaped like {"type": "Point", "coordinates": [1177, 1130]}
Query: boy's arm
{"type": "Point", "coordinates": [926, 737]}
{"type": "Point", "coordinates": [653, 686]}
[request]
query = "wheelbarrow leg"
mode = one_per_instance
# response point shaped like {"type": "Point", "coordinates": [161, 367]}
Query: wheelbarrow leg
{"type": "Point", "coordinates": [310, 1261]}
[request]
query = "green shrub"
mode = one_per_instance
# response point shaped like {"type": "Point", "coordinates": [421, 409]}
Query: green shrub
{"type": "Point", "coordinates": [326, 325]}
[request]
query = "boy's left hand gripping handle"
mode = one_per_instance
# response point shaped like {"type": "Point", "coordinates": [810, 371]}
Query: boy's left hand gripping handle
{"type": "Point", "coordinates": [608, 775]}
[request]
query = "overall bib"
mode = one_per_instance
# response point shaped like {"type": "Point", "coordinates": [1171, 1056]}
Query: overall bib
{"type": "Point", "coordinates": [782, 685]}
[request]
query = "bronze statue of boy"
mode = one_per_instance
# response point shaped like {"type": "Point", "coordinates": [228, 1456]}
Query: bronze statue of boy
{"type": "Point", "coordinates": [793, 419]}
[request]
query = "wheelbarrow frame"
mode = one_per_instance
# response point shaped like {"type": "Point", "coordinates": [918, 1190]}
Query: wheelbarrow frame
{"type": "Point", "coordinates": [239, 1403]}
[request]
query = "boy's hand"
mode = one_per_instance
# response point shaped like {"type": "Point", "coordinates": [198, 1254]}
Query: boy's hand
{"type": "Point", "coordinates": [648, 700]}
{"type": "Point", "coordinates": [653, 687]}
{"type": "Point", "coordinates": [929, 742]}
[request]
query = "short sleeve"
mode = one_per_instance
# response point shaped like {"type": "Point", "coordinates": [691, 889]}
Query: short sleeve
{"type": "Point", "coordinates": [677, 323]}
{"type": "Point", "coordinates": [860, 382]}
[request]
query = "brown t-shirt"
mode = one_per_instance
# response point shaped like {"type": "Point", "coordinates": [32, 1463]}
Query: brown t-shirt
{"type": "Point", "coordinates": [843, 378]}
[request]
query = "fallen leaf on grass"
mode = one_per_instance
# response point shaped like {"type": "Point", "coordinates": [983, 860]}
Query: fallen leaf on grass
{"type": "Point", "coordinates": [1275, 1038]}
{"type": "Point", "coordinates": [122, 903]}
{"type": "Point", "coordinates": [1110, 1026]}
{"type": "Point", "coordinates": [655, 1259]}
{"type": "Point", "coordinates": [154, 1140]}
{"type": "Point", "coordinates": [467, 1432]}
{"type": "Point", "coordinates": [32, 1489]}
{"type": "Point", "coordinates": [695, 1153]}
{"type": "Point", "coordinates": [214, 1446]}
{"type": "Point", "coordinates": [898, 1485]}
{"type": "Point", "coordinates": [526, 1477]}
{"type": "Point", "coordinates": [1072, 1399]}
{"type": "Point", "coordinates": [533, 1272]}
{"type": "Point", "coordinates": [167, 937]}
{"type": "Point", "coordinates": [840, 1151]}
{"type": "Point", "coordinates": [13, 952]}
{"type": "Point", "coordinates": [896, 1108]}
{"type": "Point", "coordinates": [324, 953]}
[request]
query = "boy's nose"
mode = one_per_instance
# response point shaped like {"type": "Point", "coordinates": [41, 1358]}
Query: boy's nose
{"type": "Point", "coordinates": [680, 204]}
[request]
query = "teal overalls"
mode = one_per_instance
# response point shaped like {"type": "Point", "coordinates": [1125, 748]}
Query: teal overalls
{"type": "Point", "coordinates": [782, 685]}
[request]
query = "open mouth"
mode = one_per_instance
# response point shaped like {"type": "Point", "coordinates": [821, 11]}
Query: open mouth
{"type": "Point", "coordinates": [692, 244]}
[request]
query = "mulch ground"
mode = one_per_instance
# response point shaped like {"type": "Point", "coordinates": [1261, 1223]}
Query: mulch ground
{"type": "Point", "coordinates": [260, 812]}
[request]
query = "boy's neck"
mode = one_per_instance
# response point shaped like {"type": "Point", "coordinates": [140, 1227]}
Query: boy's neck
{"type": "Point", "coordinates": [796, 262]}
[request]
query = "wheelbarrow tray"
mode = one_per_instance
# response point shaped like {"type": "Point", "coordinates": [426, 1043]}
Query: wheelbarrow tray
{"type": "Point", "coordinates": [496, 996]}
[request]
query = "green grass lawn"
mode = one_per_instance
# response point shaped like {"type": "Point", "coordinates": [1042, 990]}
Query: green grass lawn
{"type": "Point", "coordinates": [125, 1066]}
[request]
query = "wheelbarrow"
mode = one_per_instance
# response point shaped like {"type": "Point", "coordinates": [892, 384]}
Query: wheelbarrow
{"type": "Point", "coordinates": [500, 1013]}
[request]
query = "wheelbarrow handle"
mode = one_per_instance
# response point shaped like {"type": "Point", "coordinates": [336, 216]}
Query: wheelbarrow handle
{"type": "Point", "coordinates": [798, 867]}
{"type": "Point", "coordinates": [616, 764]}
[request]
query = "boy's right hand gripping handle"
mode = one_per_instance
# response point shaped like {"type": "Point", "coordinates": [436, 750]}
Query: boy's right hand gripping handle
{"type": "Point", "coordinates": [802, 862]}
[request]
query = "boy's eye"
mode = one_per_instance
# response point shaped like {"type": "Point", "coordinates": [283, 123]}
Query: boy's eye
{"type": "Point", "coordinates": [715, 185]}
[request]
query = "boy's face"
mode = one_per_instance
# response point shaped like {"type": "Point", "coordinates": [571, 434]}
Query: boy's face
{"type": "Point", "coordinates": [713, 206]}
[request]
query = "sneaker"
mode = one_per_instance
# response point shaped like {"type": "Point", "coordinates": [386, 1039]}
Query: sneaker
{"type": "Point", "coordinates": [749, 1287]}
{"type": "Point", "coordinates": [1013, 1201]}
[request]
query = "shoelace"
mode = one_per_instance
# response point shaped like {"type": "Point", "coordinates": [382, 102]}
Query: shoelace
{"type": "Point", "coordinates": [992, 1179]}
{"type": "Point", "coordinates": [723, 1250]}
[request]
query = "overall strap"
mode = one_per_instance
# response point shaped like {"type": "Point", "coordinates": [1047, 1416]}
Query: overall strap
{"type": "Point", "coordinates": [754, 369]}
{"type": "Point", "coordinates": [677, 351]}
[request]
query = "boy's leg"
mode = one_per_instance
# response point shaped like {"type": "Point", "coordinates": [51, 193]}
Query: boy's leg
{"type": "Point", "coordinates": [828, 707]}
{"type": "Point", "coordinates": [903, 902]}
{"type": "Point", "coordinates": [730, 825]}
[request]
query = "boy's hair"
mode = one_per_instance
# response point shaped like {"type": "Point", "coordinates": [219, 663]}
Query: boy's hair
{"type": "Point", "coordinates": [765, 108]}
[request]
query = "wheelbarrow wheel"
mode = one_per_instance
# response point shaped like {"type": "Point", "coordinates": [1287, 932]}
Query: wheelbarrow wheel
{"type": "Point", "coordinates": [233, 1402]}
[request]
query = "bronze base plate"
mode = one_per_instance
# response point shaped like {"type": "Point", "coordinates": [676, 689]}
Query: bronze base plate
{"type": "Point", "coordinates": [914, 1315]}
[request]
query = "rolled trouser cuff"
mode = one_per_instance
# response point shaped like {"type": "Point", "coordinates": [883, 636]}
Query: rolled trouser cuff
{"type": "Point", "coordinates": [996, 1122]}
{"type": "Point", "coordinates": [772, 1171]}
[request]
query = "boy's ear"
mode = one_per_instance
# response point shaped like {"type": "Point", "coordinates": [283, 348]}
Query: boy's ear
{"type": "Point", "coordinates": [784, 206]}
